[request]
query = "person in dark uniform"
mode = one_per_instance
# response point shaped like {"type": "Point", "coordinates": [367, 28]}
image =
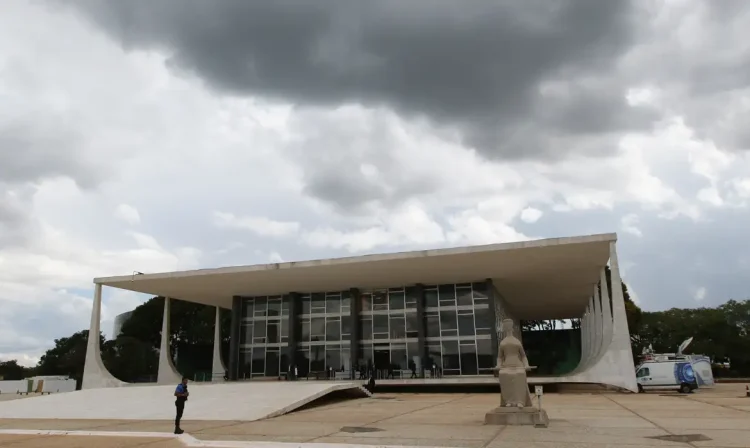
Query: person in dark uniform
{"type": "Point", "coordinates": [182, 395]}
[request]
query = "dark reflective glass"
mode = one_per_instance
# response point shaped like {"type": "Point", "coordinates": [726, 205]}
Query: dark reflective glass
{"type": "Point", "coordinates": [396, 300]}
{"type": "Point", "coordinates": [466, 325]}
{"type": "Point", "coordinates": [272, 332]}
{"type": "Point", "coordinates": [447, 295]}
{"type": "Point", "coordinates": [274, 307]}
{"type": "Point", "coordinates": [464, 297]}
{"type": "Point", "coordinates": [333, 358]}
{"type": "Point", "coordinates": [450, 355]}
{"type": "Point", "coordinates": [398, 357]}
{"type": "Point", "coordinates": [259, 360]}
{"type": "Point", "coordinates": [247, 333]}
{"type": "Point", "coordinates": [435, 356]}
{"type": "Point", "coordinates": [333, 330]}
{"type": "Point", "coordinates": [433, 325]}
{"type": "Point", "coordinates": [486, 358]}
{"type": "Point", "coordinates": [380, 300]}
{"type": "Point", "coordinates": [246, 363]}
{"type": "Point", "coordinates": [366, 299]}
{"type": "Point", "coordinates": [485, 317]}
{"type": "Point", "coordinates": [261, 306]}
{"type": "Point", "coordinates": [346, 325]}
{"type": "Point", "coordinates": [302, 362]}
{"type": "Point", "coordinates": [398, 327]}
{"type": "Point", "coordinates": [304, 332]}
{"type": "Point", "coordinates": [411, 298]}
{"type": "Point", "coordinates": [333, 303]}
{"type": "Point", "coordinates": [468, 359]}
{"type": "Point", "coordinates": [306, 305]}
{"type": "Point", "coordinates": [317, 328]}
{"type": "Point", "coordinates": [431, 299]}
{"type": "Point", "coordinates": [318, 303]}
{"type": "Point", "coordinates": [247, 308]}
{"type": "Point", "coordinates": [380, 323]}
{"type": "Point", "coordinates": [367, 328]}
{"type": "Point", "coordinates": [412, 325]}
{"type": "Point", "coordinates": [317, 358]}
{"type": "Point", "coordinates": [272, 363]}
{"type": "Point", "coordinates": [259, 333]}
{"type": "Point", "coordinates": [480, 291]}
{"type": "Point", "coordinates": [448, 320]}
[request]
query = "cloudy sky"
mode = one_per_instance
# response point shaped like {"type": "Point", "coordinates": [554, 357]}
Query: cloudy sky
{"type": "Point", "coordinates": [154, 136]}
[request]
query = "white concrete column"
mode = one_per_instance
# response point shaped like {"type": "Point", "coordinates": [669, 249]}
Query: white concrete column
{"type": "Point", "coordinates": [606, 309]}
{"type": "Point", "coordinates": [621, 348]}
{"type": "Point", "coordinates": [597, 341]}
{"type": "Point", "coordinates": [167, 372]}
{"type": "Point", "coordinates": [217, 368]}
{"type": "Point", "coordinates": [95, 374]}
{"type": "Point", "coordinates": [584, 338]}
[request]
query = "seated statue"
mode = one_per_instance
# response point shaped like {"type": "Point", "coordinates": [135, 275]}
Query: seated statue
{"type": "Point", "coordinates": [511, 369]}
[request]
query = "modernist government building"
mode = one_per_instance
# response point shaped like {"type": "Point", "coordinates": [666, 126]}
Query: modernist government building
{"type": "Point", "coordinates": [434, 312]}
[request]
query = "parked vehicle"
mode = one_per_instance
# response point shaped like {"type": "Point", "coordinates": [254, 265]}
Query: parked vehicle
{"type": "Point", "coordinates": [664, 371]}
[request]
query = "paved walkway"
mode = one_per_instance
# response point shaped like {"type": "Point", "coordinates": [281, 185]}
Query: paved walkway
{"type": "Point", "coordinates": [716, 418]}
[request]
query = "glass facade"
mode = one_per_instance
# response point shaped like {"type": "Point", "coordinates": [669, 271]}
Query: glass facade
{"type": "Point", "coordinates": [264, 337]}
{"type": "Point", "coordinates": [459, 329]}
{"type": "Point", "coordinates": [325, 332]}
{"type": "Point", "coordinates": [455, 321]}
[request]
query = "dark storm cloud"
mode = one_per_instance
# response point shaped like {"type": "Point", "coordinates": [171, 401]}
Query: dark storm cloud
{"type": "Point", "coordinates": [475, 65]}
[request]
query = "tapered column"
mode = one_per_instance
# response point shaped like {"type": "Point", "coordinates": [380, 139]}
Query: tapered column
{"type": "Point", "coordinates": [597, 332]}
{"type": "Point", "coordinates": [606, 308]}
{"type": "Point", "coordinates": [234, 338]}
{"type": "Point", "coordinates": [95, 374]}
{"type": "Point", "coordinates": [167, 372]}
{"type": "Point", "coordinates": [421, 329]}
{"type": "Point", "coordinates": [355, 321]}
{"type": "Point", "coordinates": [217, 367]}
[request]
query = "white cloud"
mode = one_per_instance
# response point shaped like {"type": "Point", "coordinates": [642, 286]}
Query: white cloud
{"type": "Point", "coordinates": [531, 215]}
{"type": "Point", "coordinates": [629, 224]}
{"type": "Point", "coordinates": [259, 225]}
{"type": "Point", "coordinates": [128, 214]}
{"type": "Point", "coordinates": [699, 294]}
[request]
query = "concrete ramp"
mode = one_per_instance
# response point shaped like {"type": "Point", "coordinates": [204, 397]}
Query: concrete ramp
{"type": "Point", "coordinates": [227, 401]}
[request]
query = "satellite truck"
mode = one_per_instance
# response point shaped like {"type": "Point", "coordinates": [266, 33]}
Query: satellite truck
{"type": "Point", "coordinates": [674, 371]}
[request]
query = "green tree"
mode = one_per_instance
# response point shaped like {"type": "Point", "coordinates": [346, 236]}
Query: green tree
{"type": "Point", "coordinates": [11, 370]}
{"type": "Point", "coordinates": [68, 356]}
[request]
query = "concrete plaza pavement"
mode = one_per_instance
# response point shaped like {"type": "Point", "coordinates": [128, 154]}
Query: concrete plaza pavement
{"type": "Point", "coordinates": [718, 418]}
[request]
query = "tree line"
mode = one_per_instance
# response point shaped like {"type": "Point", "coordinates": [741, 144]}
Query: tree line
{"type": "Point", "coordinates": [722, 333]}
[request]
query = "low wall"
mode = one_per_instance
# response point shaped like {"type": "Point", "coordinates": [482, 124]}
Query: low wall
{"type": "Point", "coordinates": [13, 387]}
{"type": "Point", "coordinates": [58, 386]}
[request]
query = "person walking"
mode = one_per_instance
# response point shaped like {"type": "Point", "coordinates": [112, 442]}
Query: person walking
{"type": "Point", "coordinates": [182, 395]}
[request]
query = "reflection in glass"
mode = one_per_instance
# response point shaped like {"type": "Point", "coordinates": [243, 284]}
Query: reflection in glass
{"type": "Point", "coordinates": [346, 326]}
{"type": "Point", "coordinates": [448, 320]}
{"type": "Point", "coordinates": [260, 306]}
{"type": "Point", "coordinates": [464, 297]}
{"type": "Point", "coordinates": [272, 332]}
{"type": "Point", "coordinates": [366, 299]}
{"type": "Point", "coordinates": [380, 323]}
{"type": "Point", "coordinates": [333, 357]}
{"type": "Point", "coordinates": [346, 301]}
{"type": "Point", "coordinates": [433, 324]}
{"type": "Point", "coordinates": [468, 359]}
{"type": "Point", "coordinates": [411, 298]}
{"type": "Point", "coordinates": [317, 358]}
{"type": "Point", "coordinates": [303, 362]}
{"type": "Point", "coordinates": [333, 329]}
{"type": "Point", "coordinates": [259, 333]}
{"type": "Point", "coordinates": [431, 298]}
{"type": "Point", "coordinates": [247, 308]}
{"type": "Point", "coordinates": [318, 303]}
{"type": "Point", "coordinates": [396, 300]}
{"type": "Point", "coordinates": [245, 362]}
{"type": "Point", "coordinates": [305, 331]}
{"type": "Point", "coordinates": [272, 363]}
{"type": "Point", "coordinates": [305, 304]}
{"type": "Point", "coordinates": [274, 306]}
{"type": "Point", "coordinates": [247, 333]}
{"type": "Point", "coordinates": [398, 357]}
{"type": "Point", "coordinates": [451, 362]}
{"type": "Point", "coordinates": [435, 356]}
{"type": "Point", "coordinates": [366, 328]}
{"type": "Point", "coordinates": [485, 358]}
{"type": "Point", "coordinates": [412, 325]}
{"type": "Point", "coordinates": [259, 360]}
{"type": "Point", "coordinates": [481, 292]}
{"type": "Point", "coordinates": [466, 324]}
{"type": "Point", "coordinates": [380, 301]}
{"type": "Point", "coordinates": [317, 328]}
{"type": "Point", "coordinates": [333, 303]}
{"type": "Point", "coordinates": [398, 327]}
{"type": "Point", "coordinates": [485, 318]}
{"type": "Point", "coordinates": [447, 295]}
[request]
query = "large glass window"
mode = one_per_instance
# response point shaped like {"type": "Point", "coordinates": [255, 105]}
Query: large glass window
{"type": "Point", "coordinates": [264, 336]}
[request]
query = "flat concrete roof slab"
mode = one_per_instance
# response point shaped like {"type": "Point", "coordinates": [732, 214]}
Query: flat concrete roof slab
{"type": "Point", "coordinates": [550, 278]}
{"type": "Point", "coordinates": [232, 401]}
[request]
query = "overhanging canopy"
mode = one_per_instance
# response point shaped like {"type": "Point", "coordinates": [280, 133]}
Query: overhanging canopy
{"type": "Point", "coordinates": [542, 279]}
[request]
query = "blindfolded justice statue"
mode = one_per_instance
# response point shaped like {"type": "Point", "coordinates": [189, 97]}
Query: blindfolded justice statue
{"type": "Point", "coordinates": [515, 403]}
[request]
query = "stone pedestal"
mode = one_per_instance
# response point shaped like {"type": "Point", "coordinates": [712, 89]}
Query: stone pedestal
{"type": "Point", "coordinates": [512, 416]}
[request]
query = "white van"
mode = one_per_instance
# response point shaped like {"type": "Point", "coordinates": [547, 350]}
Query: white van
{"type": "Point", "coordinates": [661, 375]}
